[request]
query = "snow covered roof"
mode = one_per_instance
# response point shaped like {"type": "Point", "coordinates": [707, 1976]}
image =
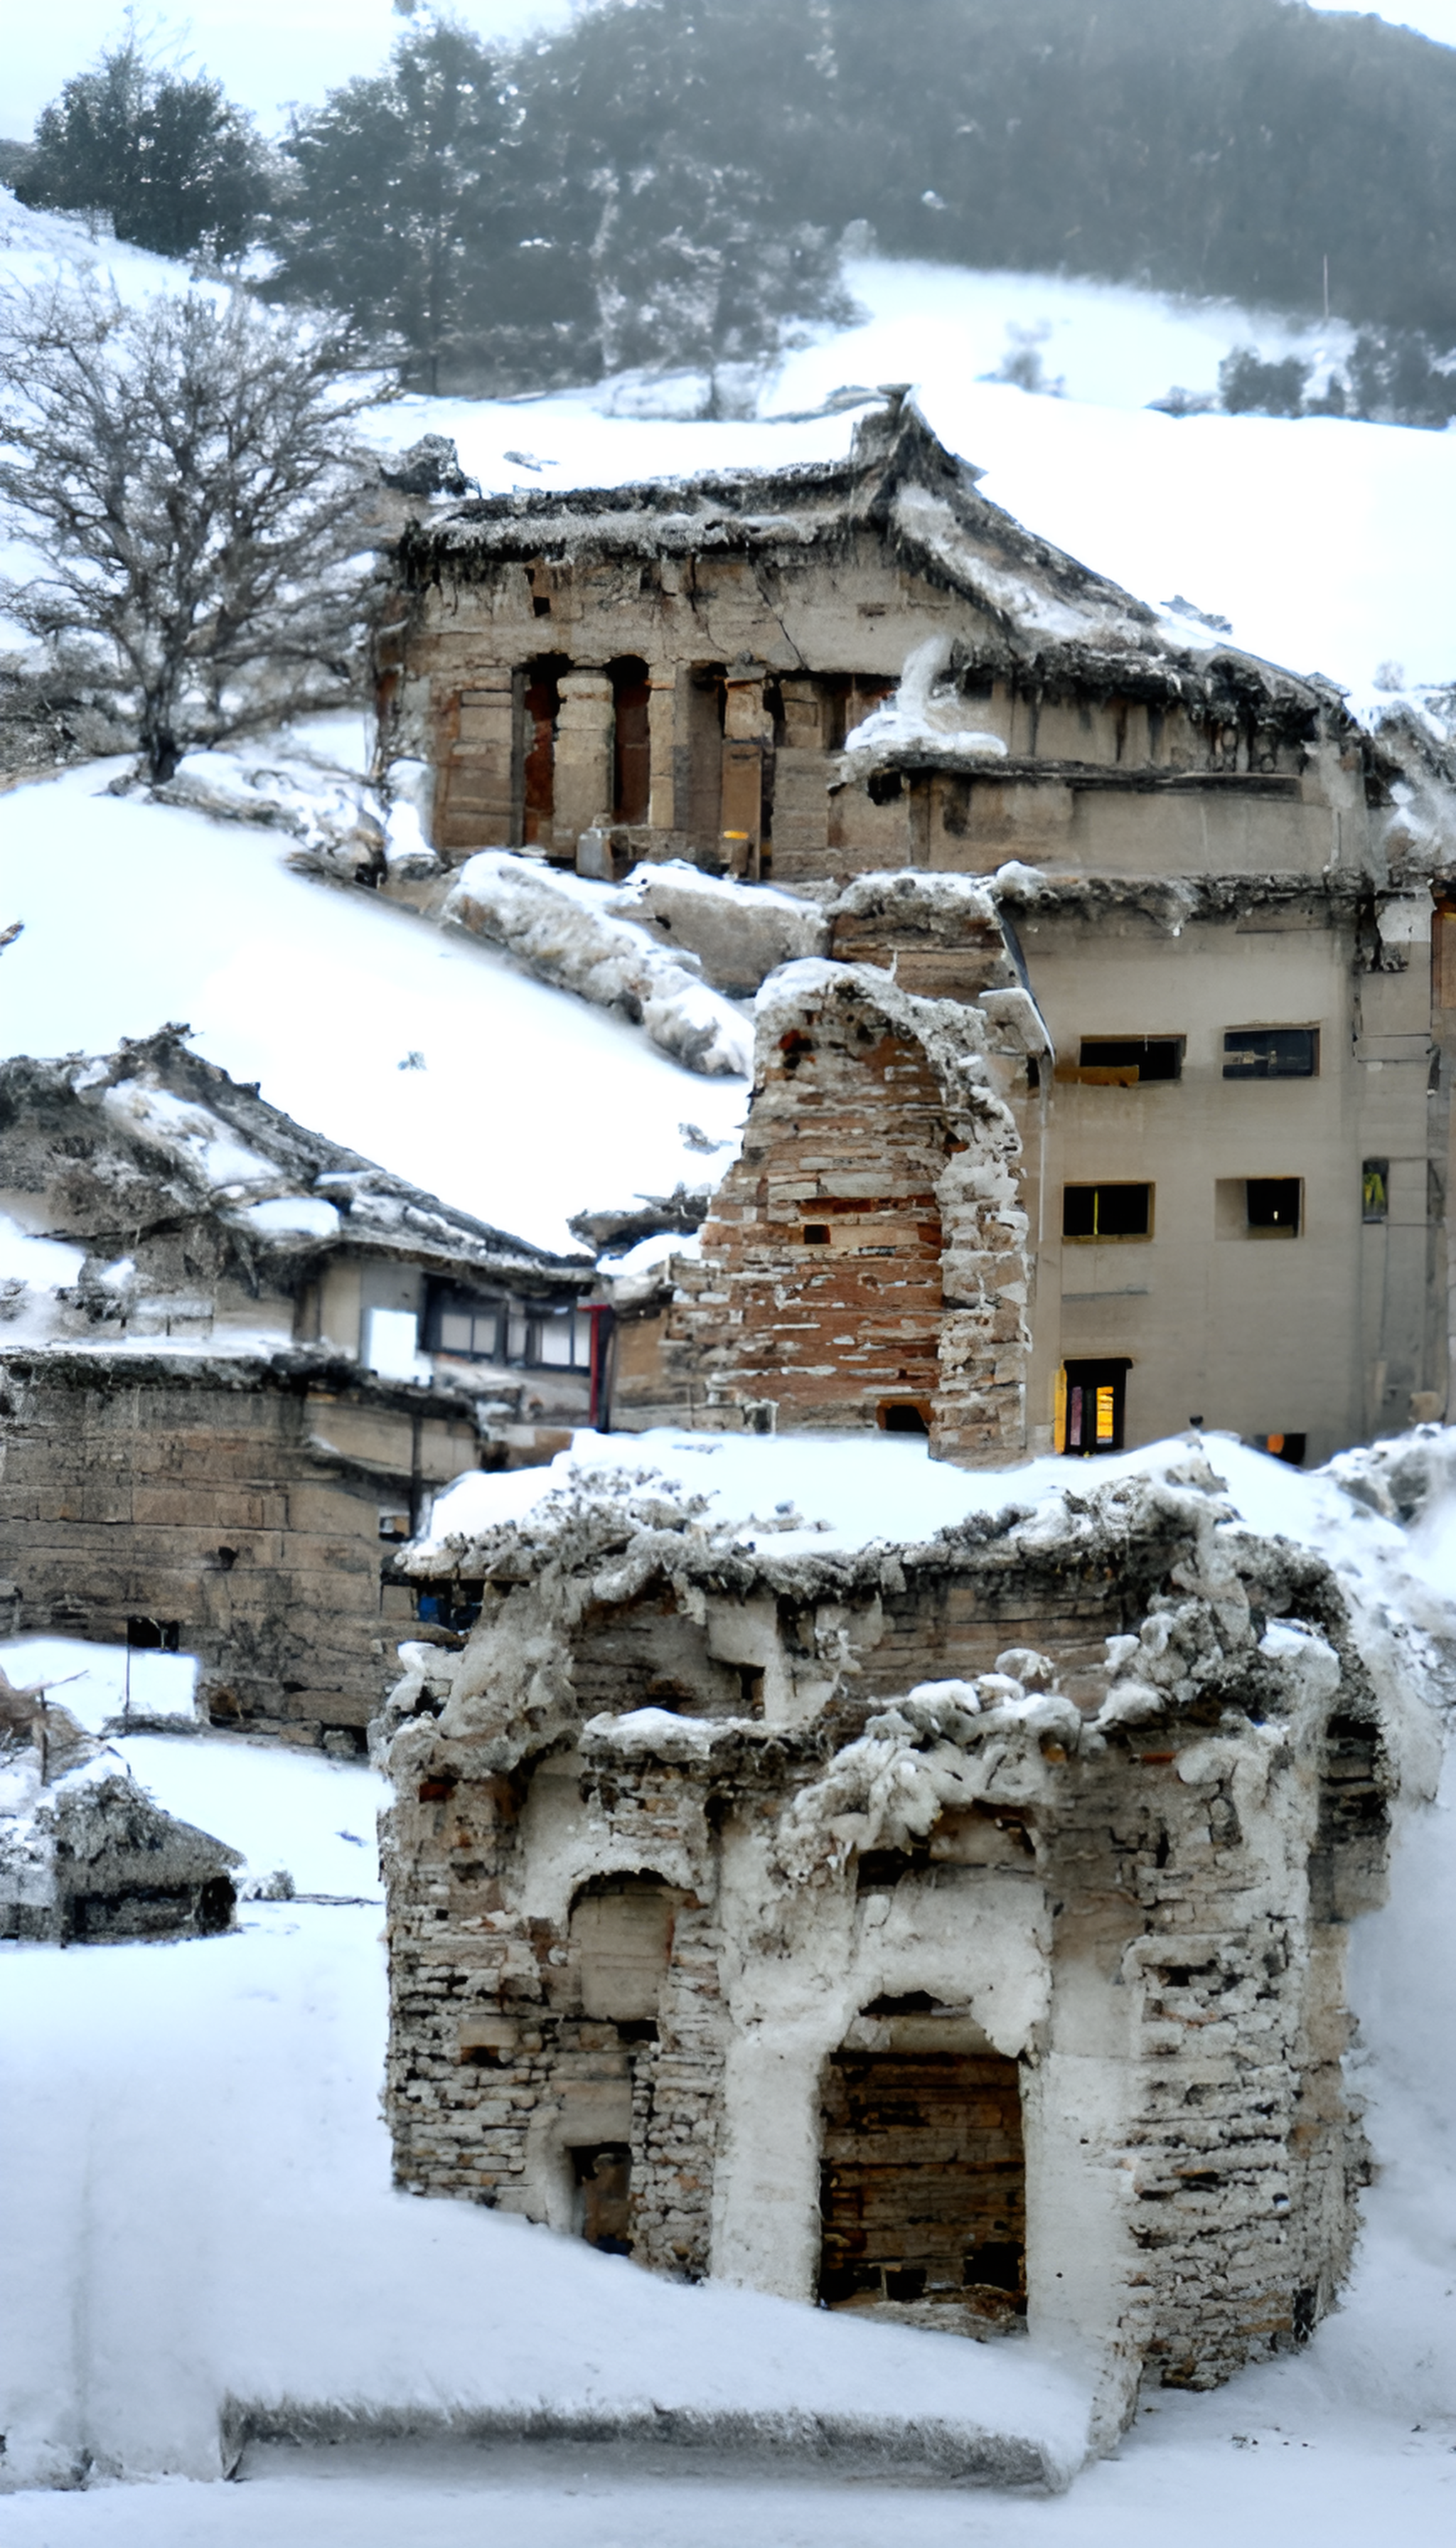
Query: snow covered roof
{"type": "Point", "coordinates": [1049, 612]}
{"type": "Point", "coordinates": [166, 1135]}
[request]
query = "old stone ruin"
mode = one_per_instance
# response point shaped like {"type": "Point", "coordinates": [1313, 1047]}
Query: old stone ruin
{"type": "Point", "coordinates": [85, 1854]}
{"type": "Point", "coordinates": [952, 1933]}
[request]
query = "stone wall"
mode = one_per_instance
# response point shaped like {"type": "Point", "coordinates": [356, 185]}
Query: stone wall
{"type": "Point", "coordinates": [248, 1509]}
{"type": "Point", "coordinates": [684, 1832]}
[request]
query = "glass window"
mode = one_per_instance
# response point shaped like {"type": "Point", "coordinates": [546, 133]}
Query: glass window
{"type": "Point", "coordinates": [1271, 1052]}
{"type": "Point", "coordinates": [517, 1336]}
{"type": "Point", "coordinates": [1107, 1211]}
{"type": "Point", "coordinates": [457, 1333]}
{"type": "Point", "coordinates": [1374, 1190]}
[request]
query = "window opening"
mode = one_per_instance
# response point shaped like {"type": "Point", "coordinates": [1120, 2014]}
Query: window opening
{"type": "Point", "coordinates": [923, 2183]}
{"type": "Point", "coordinates": [1107, 1211]}
{"type": "Point", "coordinates": [1129, 1060]}
{"type": "Point", "coordinates": [816, 1234]}
{"type": "Point", "coordinates": [631, 740]}
{"type": "Point", "coordinates": [1288, 1447]}
{"type": "Point", "coordinates": [1374, 1190]}
{"type": "Point", "coordinates": [1271, 1052]}
{"type": "Point", "coordinates": [1273, 1205]}
{"type": "Point", "coordinates": [1094, 1407]}
{"type": "Point", "coordinates": [154, 1636]}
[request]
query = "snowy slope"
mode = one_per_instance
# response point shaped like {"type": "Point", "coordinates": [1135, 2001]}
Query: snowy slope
{"type": "Point", "coordinates": [529, 1105]}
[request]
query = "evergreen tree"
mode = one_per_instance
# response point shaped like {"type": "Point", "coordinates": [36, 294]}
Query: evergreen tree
{"type": "Point", "coordinates": [414, 207]}
{"type": "Point", "coordinates": [174, 166]}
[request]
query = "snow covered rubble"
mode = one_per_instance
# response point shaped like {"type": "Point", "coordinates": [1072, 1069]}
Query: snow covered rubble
{"type": "Point", "coordinates": [294, 2282]}
{"type": "Point", "coordinates": [563, 929]}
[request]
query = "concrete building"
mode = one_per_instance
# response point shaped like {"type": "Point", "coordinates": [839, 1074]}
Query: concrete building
{"type": "Point", "coordinates": [1228, 904]}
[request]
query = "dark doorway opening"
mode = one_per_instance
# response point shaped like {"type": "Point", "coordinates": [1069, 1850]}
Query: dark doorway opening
{"type": "Point", "coordinates": [1096, 1405]}
{"type": "Point", "coordinates": [602, 2179]}
{"type": "Point", "coordinates": [923, 2183]}
{"type": "Point", "coordinates": [542, 708]}
{"type": "Point", "coordinates": [631, 740]}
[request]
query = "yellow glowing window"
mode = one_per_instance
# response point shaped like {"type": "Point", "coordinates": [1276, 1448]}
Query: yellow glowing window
{"type": "Point", "coordinates": [1106, 1420]}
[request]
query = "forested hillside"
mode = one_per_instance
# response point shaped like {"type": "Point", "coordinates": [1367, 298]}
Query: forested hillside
{"type": "Point", "coordinates": [670, 181]}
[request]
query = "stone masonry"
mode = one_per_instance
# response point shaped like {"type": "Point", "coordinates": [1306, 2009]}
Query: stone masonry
{"type": "Point", "coordinates": [698, 1853]}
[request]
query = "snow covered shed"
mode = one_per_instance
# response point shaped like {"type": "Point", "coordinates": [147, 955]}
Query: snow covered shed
{"type": "Point", "coordinates": [264, 1356]}
{"type": "Point", "coordinates": [86, 1855]}
{"type": "Point", "coordinates": [953, 1932]}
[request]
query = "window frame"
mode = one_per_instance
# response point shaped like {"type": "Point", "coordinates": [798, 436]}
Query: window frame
{"type": "Point", "coordinates": [1237, 1076]}
{"type": "Point", "coordinates": [1095, 1237]}
{"type": "Point", "coordinates": [521, 1324]}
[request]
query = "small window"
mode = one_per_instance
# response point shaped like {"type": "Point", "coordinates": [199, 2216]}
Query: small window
{"type": "Point", "coordinates": [393, 1525]}
{"type": "Point", "coordinates": [1271, 1052]}
{"type": "Point", "coordinates": [1288, 1447]}
{"type": "Point", "coordinates": [1107, 1211]}
{"type": "Point", "coordinates": [1147, 1058]}
{"type": "Point", "coordinates": [903, 1415]}
{"type": "Point", "coordinates": [816, 1234]}
{"type": "Point", "coordinates": [1374, 1190]}
{"type": "Point", "coordinates": [154, 1636]}
{"type": "Point", "coordinates": [1273, 1205]}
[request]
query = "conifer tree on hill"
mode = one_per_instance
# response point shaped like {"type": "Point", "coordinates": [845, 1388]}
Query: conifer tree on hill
{"type": "Point", "coordinates": [175, 167]}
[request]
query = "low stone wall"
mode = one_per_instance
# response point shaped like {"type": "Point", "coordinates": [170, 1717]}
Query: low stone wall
{"type": "Point", "coordinates": [236, 1506]}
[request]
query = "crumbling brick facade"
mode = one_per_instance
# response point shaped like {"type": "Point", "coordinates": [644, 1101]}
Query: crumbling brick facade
{"type": "Point", "coordinates": [865, 1260]}
{"type": "Point", "coordinates": [740, 1904]}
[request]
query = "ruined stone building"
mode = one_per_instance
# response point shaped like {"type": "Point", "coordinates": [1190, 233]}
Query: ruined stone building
{"type": "Point", "coordinates": [951, 1932]}
{"type": "Point", "coordinates": [267, 1356]}
{"type": "Point", "coordinates": [1227, 906]}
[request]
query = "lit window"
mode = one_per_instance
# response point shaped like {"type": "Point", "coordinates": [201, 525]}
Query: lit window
{"type": "Point", "coordinates": [1107, 1211]}
{"type": "Point", "coordinates": [1374, 1190]}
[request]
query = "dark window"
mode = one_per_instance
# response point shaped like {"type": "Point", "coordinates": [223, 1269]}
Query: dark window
{"type": "Point", "coordinates": [603, 2197]}
{"type": "Point", "coordinates": [1151, 1056]}
{"type": "Point", "coordinates": [1107, 1211]}
{"type": "Point", "coordinates": [1271, 1052]}
{"type": "Point", "coordinates": [1374, 1190]}
{"type": "Point", "coordinates": [1095, 1406]}
{"type": "Point", "coordinates": [1274, 1203]}
{"type": "Point", "coordinates": [904, 1416]}
{"type": "Point", "coordinates": [154, 1636]}
{"type": "Point", "coordinates": [816, 1234]}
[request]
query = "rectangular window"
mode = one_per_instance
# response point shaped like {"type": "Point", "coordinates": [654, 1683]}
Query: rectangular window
{"type": "Point", "coordinates": [1374, 1190]}
{"type": "Point", "coordinates": [1107, 1211]}
{"type": "Point", "coordinates": [1271, 1052]}
{"type": "Point", "coordinates": [1273, 1205]}
{"type": "Point", "coordinates": [1144, 1057]}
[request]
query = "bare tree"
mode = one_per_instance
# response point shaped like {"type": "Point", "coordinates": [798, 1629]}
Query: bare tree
{"type": "Point", "coordinates": [188, 477]}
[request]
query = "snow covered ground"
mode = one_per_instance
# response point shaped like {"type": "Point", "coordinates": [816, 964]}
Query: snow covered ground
{"type": "Point", "coordinates": [196, 2205]}
{"type": "Point", "coordinates": [523, 1104]}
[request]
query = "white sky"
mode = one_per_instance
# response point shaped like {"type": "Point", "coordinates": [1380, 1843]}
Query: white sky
{"type": "Point", "coordinates": [268, 53]}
